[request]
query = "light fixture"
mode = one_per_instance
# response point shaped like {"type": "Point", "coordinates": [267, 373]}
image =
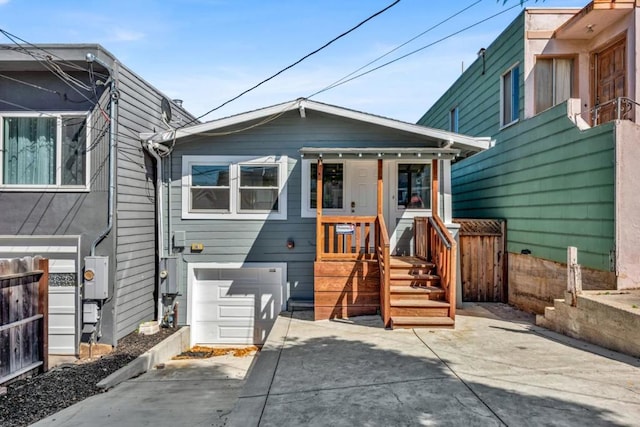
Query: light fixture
{"type": "Point", "coordinates": [590, 28]}
{"type": "Point", "coordinates": [481, 53]}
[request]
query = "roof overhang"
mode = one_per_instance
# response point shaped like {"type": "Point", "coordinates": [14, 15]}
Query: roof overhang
{"type": "Point", "coordinates": [367, 153]}
{"type": "Point", "coordinates": [251, 119]}
{"type": "Point", "coordinates": [594, 18]}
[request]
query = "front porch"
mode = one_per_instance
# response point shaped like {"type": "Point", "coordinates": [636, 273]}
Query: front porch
{"type": "Point", "coordinates": [356, 274]}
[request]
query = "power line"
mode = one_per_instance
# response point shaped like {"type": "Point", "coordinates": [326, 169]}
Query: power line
{"type": "Point", "coordinates": [295, 63]}
{"type": "Point", "coordinates": [433, 27]}
{"type": "Point", "coordinates": [416, 50]}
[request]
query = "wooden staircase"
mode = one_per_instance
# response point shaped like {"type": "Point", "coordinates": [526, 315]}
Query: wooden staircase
{"type": "Point", "coordinates": [416, 297]}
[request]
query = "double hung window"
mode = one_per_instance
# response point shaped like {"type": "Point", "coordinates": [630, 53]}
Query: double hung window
{"type": "Point", "coordinates": [234, 187]}
{"type": "Point", "coordinates": [553, 82]}
{"type": "Point", "coordinates": [510, 96]}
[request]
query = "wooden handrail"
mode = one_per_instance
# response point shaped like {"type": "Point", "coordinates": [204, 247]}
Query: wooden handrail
{"type": "Point", "coordinates": [336, 244]}
{"type": "Point", "coordinates": [383, 251]}
{"type": "Point", "coordinates": [433, 242]}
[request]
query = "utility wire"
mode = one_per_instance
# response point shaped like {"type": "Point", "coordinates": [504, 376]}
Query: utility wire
{"type": "Point", "coordinates": [433, 27]}
{"type": "Point", "coordinates": [416, 50]}
{"type": "Point", "coordinates": [295, 63]}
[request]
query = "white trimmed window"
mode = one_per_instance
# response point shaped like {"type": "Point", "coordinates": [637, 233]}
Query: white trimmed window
{"type": "Point", "coordinates": [43, 152]}
{"type": "Point", "coordinates": [510, 96]}
{"type": "Point", "coordinates": [333, 187]}
{"type": "Point", "coordinates": [234, 187]}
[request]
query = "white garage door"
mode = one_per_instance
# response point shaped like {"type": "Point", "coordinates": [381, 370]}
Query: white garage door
{"type": "Point", "coordinates": [235, 305]}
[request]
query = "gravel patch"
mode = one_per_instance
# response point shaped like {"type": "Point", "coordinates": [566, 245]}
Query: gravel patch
{"type": "Point", "coordinates": [32, 399]}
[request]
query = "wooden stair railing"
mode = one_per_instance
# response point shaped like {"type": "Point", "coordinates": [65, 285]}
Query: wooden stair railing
{"type": "Point", "coordinates": [434, 243]}
{"type": "Point", "coordinates": [382, 251]}
{"type": "Point", "coordinates": [336, 244]}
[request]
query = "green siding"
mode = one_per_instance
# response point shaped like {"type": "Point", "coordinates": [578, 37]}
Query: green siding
{"type": "Point", "coordinates": [477, 95]}
{"type": "Point", "coordinates": [552, 182]}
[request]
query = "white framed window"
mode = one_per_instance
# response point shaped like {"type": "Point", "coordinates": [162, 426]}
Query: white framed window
{"type": "Point", "coordinates": [41, 152]}
{"type": "Point", "coordinates": [454, 115]}
{"type": "Point", "coordinates": [333, 187]}
{"type": "Point", "coordinates": [413, 184]}
{"type": "Point", "coordinates": [553, 80]}
{"type": "Point", "coordinates": [234, 187]}
{"type": "Point", "coordinates": [510, 96]}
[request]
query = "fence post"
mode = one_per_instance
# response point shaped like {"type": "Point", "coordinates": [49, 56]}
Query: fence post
{"type": "Point", "coordinates": [43, 308]}
{"type": "Point", "coordinates": [574, 275]}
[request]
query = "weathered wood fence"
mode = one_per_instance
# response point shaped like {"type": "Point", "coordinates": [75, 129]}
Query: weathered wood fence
{"type": "Point", "coordinates": [23, 316]}
{"type": "Point", "coordinates": [483, 263]}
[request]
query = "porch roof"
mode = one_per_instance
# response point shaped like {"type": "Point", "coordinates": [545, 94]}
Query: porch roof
{"type": "Point", "coordinates": [384, 153]}
{"type": "Point", "coordinates": [594, 18]}
{"type": "Point", "coordinates": [436, 137]}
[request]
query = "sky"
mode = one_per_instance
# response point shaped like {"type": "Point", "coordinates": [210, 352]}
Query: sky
{"type": "Point", "coordinates": [206, 52]}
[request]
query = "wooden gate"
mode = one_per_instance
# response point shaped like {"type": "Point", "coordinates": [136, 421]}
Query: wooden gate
{"type": "Point", "coordinates": [23, 316]}
{"type": "Point", "coordinates": [483, 263]}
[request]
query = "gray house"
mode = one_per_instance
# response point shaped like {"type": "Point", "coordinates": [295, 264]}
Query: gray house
{"type": "Point", "coordinates": [76, 185]}
{"type": "Point", "coordinates": [242, 223]}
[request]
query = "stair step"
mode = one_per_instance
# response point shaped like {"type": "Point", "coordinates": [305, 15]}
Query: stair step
{"type": "Point", "coordinates": [418, 303]}
{"type": "Point", "coordinates": [409, 276]}
{"type": "Point", "coordinates": [415, 289]}
{"type": "Point", "coordinates": [421, 322]}
{"type": "Point", "coordinates": [409, 262]}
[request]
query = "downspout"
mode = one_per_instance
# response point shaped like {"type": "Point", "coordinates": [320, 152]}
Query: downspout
{"type": "Point", "coordinates": [113, 105]}
{"type": "Point", "coordinates": [151, 148]}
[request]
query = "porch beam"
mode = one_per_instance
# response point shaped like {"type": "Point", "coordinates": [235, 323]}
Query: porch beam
{"type": "Point", "coordinates": [380, 187]}
{"type": "Point", "coordinates": [319, 198]}
{"type": "Point", "coordinates": [434, 187]}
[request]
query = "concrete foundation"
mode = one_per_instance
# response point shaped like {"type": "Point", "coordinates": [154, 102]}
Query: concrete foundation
{"type": "Point", "coordinates": [610, 319]}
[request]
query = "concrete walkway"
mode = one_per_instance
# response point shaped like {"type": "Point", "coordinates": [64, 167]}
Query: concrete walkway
{"type": "Point", "coordinates": [185, 393]}
{"type": "Point", "coordinates": [495, 368]}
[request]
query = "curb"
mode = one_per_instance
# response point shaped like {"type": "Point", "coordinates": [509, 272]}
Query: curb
{"type": "Point", "coordinates": [161, 352]}
{"type": "Point", "coordinates": [248, 409]}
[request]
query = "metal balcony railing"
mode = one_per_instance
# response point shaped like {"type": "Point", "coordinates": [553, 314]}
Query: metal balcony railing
{"type": "Point", "coordinates": [621, 108]}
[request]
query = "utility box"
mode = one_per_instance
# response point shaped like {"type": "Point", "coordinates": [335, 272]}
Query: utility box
{"type": "Point", "coordinates": [90, 312]}
{"type": "Point", "coordinates": [179, 239]}
{"type": "Point", "coordinates": [169, 275]}
{"type": "Point", "coordinates": [96, 277]}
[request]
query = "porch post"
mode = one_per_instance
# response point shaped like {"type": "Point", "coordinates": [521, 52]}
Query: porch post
{"type": "Point", "coordinates": [380, 188]}
{"type": "Point", "coordinates": [319, 198]}
{"type": "Point", "coordinates": [434, 187]}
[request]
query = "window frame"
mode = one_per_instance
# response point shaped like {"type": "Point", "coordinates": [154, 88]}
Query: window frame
{"type": "Point", "coordinates": [574, 75]}
{"type": "Point", "coordinates": [58, 186]}
{"type": "Point", "coordinates": [515, 87]}
{"type": "Point", "coordinates": [454, 119]}
{"type": "Point", "coordinates": [305, 199]}
{"type": "Point", "coordinates": [234, 163]}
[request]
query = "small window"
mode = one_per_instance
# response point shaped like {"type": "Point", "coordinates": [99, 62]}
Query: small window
{"type": "Point", "coordinates": [216, 187]}
{"type": "Point", "coordinates": [332, 185]}
{"type": "Point", "coordinates": [510, 96]}
{"type": "Point", "coordinates": [553, 82]}
{"type": "Point", "coordinates": [453, 119]}
{"type": "Point", "coordinates": [414, 186]}
{"type": "Point", "coordinates": [44, 151]}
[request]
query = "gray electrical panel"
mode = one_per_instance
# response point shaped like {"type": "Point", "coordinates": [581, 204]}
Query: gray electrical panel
{"type": "Point", "coordinates": [179, 239]}
{"type": "Point", "coordinates": [96, 277]}
{"type": "Point", "coordinates": [169, 275]}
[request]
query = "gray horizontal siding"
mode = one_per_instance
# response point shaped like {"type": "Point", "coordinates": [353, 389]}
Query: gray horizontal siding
{"type": "Point", "coordinates": [228, 241]}
{"type": "Point", "coordinates": [139, 111]}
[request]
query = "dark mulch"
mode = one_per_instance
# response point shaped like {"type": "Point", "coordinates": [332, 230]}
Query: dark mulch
{"type": "Point", "coordinates": [29, 400]}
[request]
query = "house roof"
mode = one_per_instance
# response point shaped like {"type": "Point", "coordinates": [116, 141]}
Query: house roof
{"type": "Point", "coordinates": [450, 140]}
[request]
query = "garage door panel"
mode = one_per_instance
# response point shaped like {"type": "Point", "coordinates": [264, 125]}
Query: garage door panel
{"type": "Point", "coordinates": [235, 306]}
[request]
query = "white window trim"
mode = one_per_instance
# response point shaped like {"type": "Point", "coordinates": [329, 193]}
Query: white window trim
{"type": "Point", "coordinates": [512, 122]}
{"type": "Point", "coordinates": [305, 200]}
{"type": "Point", "coordinates": [50, 187]}
{"type": "Point", "coordinates": [234, 184]}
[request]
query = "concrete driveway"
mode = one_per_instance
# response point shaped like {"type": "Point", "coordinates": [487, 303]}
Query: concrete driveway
{"type": "Point", "coordinates": [495, 368]}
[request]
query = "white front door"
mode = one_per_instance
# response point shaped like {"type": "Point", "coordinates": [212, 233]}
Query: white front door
{"type": "Point", "coordinates": [362, 199]}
